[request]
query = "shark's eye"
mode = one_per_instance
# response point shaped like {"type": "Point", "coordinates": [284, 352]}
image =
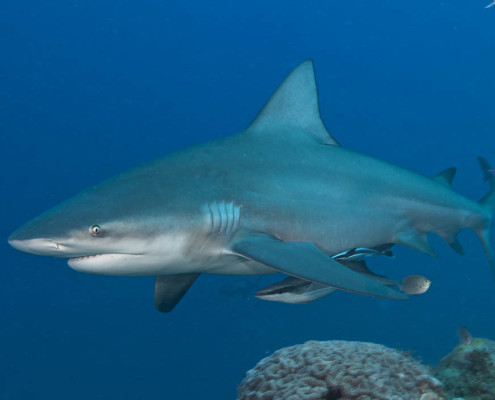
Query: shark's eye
{"type": "Point", "coordinates": [95, 230]}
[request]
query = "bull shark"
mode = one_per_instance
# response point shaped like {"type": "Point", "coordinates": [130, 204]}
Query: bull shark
{"type": "Point", "coordinates": [281, 196]}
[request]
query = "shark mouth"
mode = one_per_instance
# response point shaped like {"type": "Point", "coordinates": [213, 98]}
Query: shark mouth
{"type": "Point", "coordinates": [82, 258]}
{"type": "Point", "coordinates": [102, 255]}
{"type": "Point", "coordinates": [106, 264]}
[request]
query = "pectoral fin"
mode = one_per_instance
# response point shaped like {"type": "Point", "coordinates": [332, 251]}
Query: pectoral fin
{"type": "Point", "coordinates": [304, 260]}
{"type": "Point", "coordinates": [169, 289]}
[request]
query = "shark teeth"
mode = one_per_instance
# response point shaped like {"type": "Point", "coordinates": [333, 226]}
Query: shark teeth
{"type": "Point", "coordinates": [86, 257]}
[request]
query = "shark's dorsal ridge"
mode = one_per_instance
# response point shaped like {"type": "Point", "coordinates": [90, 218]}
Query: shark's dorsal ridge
{"type": "Point", "coordinates": [294, 106]}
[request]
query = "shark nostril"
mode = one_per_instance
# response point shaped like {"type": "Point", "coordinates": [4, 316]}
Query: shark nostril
{"type": "Point", "coordinates": [37, 246]}
{"type": "Point", "coordinates": [53, 243]}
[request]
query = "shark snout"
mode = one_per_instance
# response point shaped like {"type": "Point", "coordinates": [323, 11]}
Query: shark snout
{"type": "Point", "coordinates": [42, 247]}
{"type": "Point", "coordinates": [34, 237]}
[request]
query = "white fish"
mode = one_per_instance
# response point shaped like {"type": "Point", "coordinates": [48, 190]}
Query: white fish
{"type": "Point", "coordinates": [415, 284]}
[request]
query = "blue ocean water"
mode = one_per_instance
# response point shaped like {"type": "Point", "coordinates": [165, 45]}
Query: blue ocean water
{"type": "Point", "coordinates": [89, 89]}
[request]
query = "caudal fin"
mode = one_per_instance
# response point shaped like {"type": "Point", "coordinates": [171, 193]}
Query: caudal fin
{"type": "Point", "coordinates": [488, 203]}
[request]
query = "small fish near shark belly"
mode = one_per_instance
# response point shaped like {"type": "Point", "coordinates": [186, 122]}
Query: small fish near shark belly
{"type": "Point", "coordinates": [360, 252]}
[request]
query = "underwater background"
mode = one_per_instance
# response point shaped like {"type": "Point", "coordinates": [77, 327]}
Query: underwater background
{"type": "Point", "coordinates": [89, 89]}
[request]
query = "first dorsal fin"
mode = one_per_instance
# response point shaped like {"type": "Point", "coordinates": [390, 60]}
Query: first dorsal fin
{"type": "Point", "coordinates": [294, 105]}
{"type": "Point", "coordinates": [446, 177]}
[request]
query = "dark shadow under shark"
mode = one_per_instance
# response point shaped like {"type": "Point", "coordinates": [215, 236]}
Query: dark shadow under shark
{"type": "Point", "coordinates": [281, 196]}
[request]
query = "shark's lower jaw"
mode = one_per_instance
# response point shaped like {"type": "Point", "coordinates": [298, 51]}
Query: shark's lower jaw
{"type": "Point", "coordinates": [107, 264]}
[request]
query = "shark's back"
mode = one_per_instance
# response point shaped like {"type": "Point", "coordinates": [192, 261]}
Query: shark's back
{"type": "Point", "coordinates": [291, 179]}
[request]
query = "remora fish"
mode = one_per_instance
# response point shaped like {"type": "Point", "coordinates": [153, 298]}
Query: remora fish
{"type": "Point", "coordinates": [299, 291]}
{"type": "Point", "coordinates": [294, 291]}
{"type": "Point", "coordinates": [282, 195]}
{"type": "Point", "coordinates": [356, 254]}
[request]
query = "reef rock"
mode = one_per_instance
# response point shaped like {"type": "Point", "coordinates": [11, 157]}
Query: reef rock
{"type": "Point", "coordinates": [339, 370]}
{"type": "Point", "coordinates": [468, 371]}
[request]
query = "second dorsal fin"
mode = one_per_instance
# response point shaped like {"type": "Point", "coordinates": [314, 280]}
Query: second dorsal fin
{"type": "Point", "coordinates": [446, 177]}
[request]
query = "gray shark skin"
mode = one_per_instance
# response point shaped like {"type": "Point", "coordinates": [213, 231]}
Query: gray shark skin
{"type": "Point", "coordinates": [281, 196]}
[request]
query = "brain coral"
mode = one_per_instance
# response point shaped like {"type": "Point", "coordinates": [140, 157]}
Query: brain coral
{"type": "Point", "coordinates": [469, 370]}
{"type": "Point", "coordinates": [339, 370]}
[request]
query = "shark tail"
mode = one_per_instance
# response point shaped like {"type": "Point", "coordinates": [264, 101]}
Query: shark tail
{"type": "Point", "coordinates": [488, 204]}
